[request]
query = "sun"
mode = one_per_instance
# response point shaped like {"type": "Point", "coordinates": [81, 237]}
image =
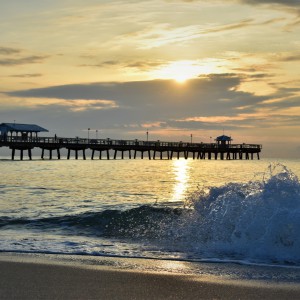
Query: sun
{"type": "Point", "coordinates": [182, 77]}
{"type": "Point", "coordinates": [181, 71]}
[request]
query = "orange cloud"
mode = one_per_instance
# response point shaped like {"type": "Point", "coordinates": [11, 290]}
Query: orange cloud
{"type": "Point", "coordinates": [77, 105]}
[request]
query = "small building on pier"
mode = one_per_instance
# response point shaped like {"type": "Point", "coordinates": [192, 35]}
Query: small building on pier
{"type": "Point", "coordinates": [20, 131]}
{"type": "Point", "coordinates": [223, 140]}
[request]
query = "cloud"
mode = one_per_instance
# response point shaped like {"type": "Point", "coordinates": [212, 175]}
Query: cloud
{"type": "Point", "coordinates": [153, 125]}
{"type": "Point", "coordinates": [9, 51]}
{"type": "Point", "coordinates": [27, 75]}
{"type": "Point", "coordinates": [22, 61]}
{"type": "Point", "coordinates": [241, 24]}
{"type": "Point", "coordinates": [162, 34]}
{"type": "Point", "coordinates": [281, 2]}
{"type": "Point", "coordinates": [263, 118]}
{"type": "Point", "coordinates": [208, 100]}
{"type": "Point", "coordinates": [293, 3]}
{"type": "Point", "coordinates": [293, 24]}
{"type": "Point", "coordinates": [158, 100]}
{"type": "Point", "coordinates": [79, 105]}
{"type": "Point", "coordinates": [261, 76]}
{"type": "Point", "coordinates": [218, 119]}
{"type": "Point", "coordinates": [146, 65]}
{"type": "Point", "coordinates": [253, 68]}
{"type": "Point", "coordinates": [84, 105]}
{"type": "Point", "coordinates": [103, 64]}
{"type": "Point", "coordinates": [142, 65]}
{"type": "Point", "coordinates": [288, 58]}
{"type": "Point", "coordinates": [272, 21]}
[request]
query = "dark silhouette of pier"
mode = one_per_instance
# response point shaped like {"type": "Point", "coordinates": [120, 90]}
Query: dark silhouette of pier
{"type": "Point", "coordinates": [102, 148]}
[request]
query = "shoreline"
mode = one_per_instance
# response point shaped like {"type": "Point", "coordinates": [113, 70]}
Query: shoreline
{"type": "Point", "coordinates": [30, 276]}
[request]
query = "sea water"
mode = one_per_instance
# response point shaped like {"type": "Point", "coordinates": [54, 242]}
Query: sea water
{"type": "Point", "coordinates": [173, 210]}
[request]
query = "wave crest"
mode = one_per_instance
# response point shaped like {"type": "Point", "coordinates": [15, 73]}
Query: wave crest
{"type": "Point", "coordinates": [258, 220]}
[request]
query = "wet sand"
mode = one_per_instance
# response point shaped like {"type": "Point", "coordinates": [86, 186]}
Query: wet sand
{"type": "Point", "coordinates": [22, 278]}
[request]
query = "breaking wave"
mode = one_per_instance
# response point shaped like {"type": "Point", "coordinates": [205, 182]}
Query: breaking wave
{"type": "Point", "coordinates": [258, 221]}
{"type": "Point", "coordinates": [143, 221]}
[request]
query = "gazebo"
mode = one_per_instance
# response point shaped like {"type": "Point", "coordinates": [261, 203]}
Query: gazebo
{"type": "Point", "coordinates": [20, 131]}
{"type": "Point", "coordinates": [223, 140]}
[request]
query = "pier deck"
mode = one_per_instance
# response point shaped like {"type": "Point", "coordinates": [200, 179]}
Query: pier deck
{"type": "Point", "coordinates": [151, 148]}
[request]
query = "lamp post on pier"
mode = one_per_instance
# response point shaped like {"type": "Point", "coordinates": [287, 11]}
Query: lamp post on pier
{"type": "Point", "coordinates": [96, 134]}
{"type": "Point", "coordinates": [191, 138]}
{"type": "Point", "coordinates": [89, 134]}
{"type": "Point", "coordinates": [147, 133]}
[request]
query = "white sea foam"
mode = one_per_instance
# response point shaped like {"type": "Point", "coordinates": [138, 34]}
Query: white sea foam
{"type": "Point", "coordinates": [257, 221]}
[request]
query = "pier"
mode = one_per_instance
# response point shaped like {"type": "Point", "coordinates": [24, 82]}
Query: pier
{"type": "Point", "coordinates": [24, 138]}
{"type": "Point", "coordinates": [102, 148]}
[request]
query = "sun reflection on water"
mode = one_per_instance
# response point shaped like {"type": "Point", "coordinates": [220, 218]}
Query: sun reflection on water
{"type": "Point", "coordinates": [181, 171]}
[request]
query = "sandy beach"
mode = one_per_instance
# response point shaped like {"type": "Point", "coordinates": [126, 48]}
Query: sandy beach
{"type": "Point", "coordinates": [23, 277]}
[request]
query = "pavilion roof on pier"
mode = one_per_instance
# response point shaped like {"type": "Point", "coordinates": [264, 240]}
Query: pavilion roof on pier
{"type": "Point", "coordinates": [223, 138]}
{"type": "Point", "coordinates": [21, 127]}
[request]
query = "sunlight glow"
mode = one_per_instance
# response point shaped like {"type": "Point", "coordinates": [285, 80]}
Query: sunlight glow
{"type": "Point", "coordinates": [181, 71]}
{"type": "Point", "coordinates": [180, 169]}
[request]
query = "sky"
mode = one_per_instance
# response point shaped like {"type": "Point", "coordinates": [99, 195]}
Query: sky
{"type": "Point", "coordinates": [173, 68]}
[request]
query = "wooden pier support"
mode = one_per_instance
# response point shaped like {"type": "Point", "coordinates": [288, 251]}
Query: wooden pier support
{"type": "Point", "coordinates": [100, 153]}
{"type": "Point", "coordinates": [29, 154]}
{"type": "Point", "coordinates": [76, 153]}
{"type": "Point", "coordinates": [201, 155]}
{"type": "Point", "coordinates": [178, 154]}
{"type": "Point", "coordinates": [161, 154]}
{"type": "Point", "coordinates": [50, 153]}
{"type": "Point", "coordinates": [13, 153]}
{"type": "Point", "coordinates": [122, 153]}
{"type": "Point", "coordinates": [142, 153]}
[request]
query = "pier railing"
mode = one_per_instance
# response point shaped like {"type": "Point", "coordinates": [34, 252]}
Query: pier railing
{"type": "Point", "coordinates": [64, 141]}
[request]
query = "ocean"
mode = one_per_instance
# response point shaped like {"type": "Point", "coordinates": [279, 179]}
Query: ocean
{"type": "Point", "coordinates": [242, 212]}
